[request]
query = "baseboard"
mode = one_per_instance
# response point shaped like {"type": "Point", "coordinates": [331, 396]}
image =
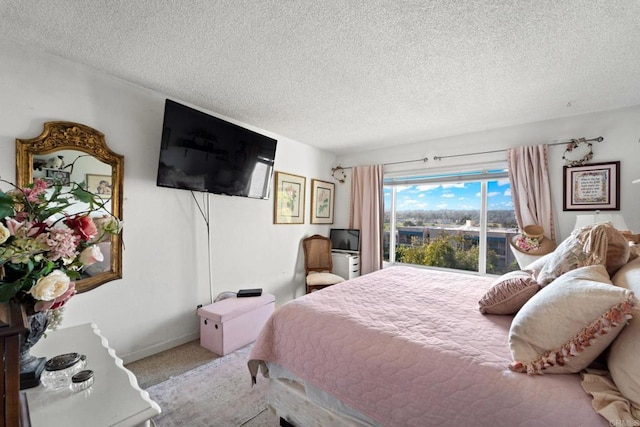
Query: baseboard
{"type": "Point", "coordinates": [158, 348]}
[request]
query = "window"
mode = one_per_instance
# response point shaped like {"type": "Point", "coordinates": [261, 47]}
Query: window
{"type": "Point", "coordinates": [461, 220]}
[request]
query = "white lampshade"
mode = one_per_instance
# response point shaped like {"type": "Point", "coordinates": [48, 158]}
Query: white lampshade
{"type": "Point", "coordinates": [616, 219]}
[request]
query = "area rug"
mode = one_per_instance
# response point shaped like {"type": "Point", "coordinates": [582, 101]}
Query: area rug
{"type": "Point", "coordinates": [218, 393]}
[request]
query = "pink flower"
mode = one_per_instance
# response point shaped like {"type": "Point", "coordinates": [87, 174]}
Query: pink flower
{"type": "Point", "coordinates": [63, 243]}
{"type": "Point", "coordinates": [33, 194]}
{"type": "Point", "coordinates": [82, 225]}
{"type": "Point", "coordinates": [91, 255]}
{"type": "Point", "coordinates": [14, 226]}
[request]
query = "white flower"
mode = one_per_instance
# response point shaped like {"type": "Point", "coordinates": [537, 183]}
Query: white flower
{"type": "Point", "coordinates": [4, 233]}
{"type": "Point", "coordinates": [108, 224]}
{"type": "Point", "coordinates": [50, 287]}
{"type": "Point", "coordinates": [91, 255]}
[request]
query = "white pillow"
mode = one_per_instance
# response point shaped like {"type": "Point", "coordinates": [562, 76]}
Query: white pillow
{"type": "Point", "coordinates": [569, 322]}
{"type": "Point", "coordinates": [624, 355]}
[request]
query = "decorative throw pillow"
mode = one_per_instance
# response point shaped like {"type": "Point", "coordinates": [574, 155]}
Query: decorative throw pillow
{"type": "Point", "coordinates": [508, 293]}
{"type": "Point", "coordinates": [569, 255]}
{"type": "Point", "coordinates": [595, 244]}
{"type": "Point", "coordinates": [618, 250]}
{"type": "Point", "coordinates": [624, 354]}
{"type": "Point", "coordinates": [568, 323]}
{"type": "Point", "coordinates": [536, 266]}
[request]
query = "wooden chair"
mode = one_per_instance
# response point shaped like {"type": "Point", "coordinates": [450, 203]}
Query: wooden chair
{"type": "Point", "coordinates": [318, 264]}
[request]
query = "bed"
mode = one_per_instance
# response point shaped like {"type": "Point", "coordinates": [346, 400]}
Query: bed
{"type": "Point", "coordinates": [409, 346]}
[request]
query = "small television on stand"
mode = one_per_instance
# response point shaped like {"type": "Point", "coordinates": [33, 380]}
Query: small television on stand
{"type": "Point", "coordinates": [345, 240]}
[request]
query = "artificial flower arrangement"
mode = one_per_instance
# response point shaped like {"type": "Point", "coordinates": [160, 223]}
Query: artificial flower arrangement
{"type": "Point", "coordinates": [527, 243]}
{"type": "Point", "coordinates": [43, 249]}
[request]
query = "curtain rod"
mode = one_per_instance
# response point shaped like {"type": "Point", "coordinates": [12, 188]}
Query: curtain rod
{"type": "Point", "coordinates": [598, 139]}
{"type": "Point", "coordinates": [340, 169]}
{"type": "Point", "coordinates": [424, 159]}
{"type": "Point", "coordinates": [342, 177]}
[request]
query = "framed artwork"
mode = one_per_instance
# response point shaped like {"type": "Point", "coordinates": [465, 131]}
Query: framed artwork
{"type": "Point", "coordinates": [99, 184]}
{"type": "Point", "coordinates": [322, 197]}
{"type": "Point", "coordinates": [288, 205]}
{"type": "Point", "coordinates": [592, 187]}
{"type": "Point", "coordinates": [57, 177]}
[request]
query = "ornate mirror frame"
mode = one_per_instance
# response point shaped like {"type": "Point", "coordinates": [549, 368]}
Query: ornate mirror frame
{"type": "Point", "coordinates": [58, 136]}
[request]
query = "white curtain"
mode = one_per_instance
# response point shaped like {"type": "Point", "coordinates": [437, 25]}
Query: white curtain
{"type": "Point", "coordinates": [531, 187]}
{"type": "Point", "coordinates": [367, 214]}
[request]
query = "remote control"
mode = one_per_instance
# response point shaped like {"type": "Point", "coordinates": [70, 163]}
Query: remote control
{"type": "Point", "coordinates": [249, 292]}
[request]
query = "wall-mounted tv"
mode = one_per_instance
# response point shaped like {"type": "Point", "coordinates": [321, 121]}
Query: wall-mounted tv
{"type": "Point", "coordinates": [345, 240]}
{"type": "Point", "coordinates": [200, 152]}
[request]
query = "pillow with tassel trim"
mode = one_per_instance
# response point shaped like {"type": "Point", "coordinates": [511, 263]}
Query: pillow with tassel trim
{"type": "Point", "coordinates": [569, 323]}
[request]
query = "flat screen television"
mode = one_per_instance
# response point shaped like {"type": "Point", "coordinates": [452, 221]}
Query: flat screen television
{"type": "Point", "coordinates": [346, 240]}
{"type": "Point", "coordinates": [200, 152]}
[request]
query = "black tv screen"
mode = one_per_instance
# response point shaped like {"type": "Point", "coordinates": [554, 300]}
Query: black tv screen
{"type": "Point", "coordinates": [200, 152]}
{"type": "Point", "coordinates": [345, 240]}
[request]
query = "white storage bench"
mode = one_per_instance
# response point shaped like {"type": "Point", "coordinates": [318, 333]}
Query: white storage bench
{"type": "Point", "coordinates": [232, 323]}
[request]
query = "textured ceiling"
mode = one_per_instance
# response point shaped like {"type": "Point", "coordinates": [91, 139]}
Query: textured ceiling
{"type": "Point", "coordinates": [348, 75]}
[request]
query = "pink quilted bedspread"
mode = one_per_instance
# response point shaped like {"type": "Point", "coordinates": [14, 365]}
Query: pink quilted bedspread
{"type": "Point", "coordinates": [408, 346]}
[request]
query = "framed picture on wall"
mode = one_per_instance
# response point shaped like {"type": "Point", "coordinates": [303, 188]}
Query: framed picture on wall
{"type": "Point", "coordinates": [99, 184]}
{"type": "Point", "coordinates": [322, 199]}
{"type": "Point", "coordinates": [592, 187]}
{"type": "Point", "coordinates": [57, 177]}
{"type": "Point", "coordinates": [288, 204]}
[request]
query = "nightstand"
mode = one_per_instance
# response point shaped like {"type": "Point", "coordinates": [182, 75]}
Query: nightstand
{"type": "Point", "coordinates": [114, 399]}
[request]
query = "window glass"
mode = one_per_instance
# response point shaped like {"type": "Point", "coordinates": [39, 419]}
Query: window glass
{"type": "Point", "coordinates": [441, 223]}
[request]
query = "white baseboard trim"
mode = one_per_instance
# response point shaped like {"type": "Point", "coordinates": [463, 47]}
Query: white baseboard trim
{"type": "Point", "coordinates": [160, 347]}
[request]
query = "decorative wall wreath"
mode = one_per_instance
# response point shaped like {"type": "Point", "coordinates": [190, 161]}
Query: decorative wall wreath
{"type": "Point", "coordinates": [338, 174]}
{"type": "Point", "coordinates": [577, 147]}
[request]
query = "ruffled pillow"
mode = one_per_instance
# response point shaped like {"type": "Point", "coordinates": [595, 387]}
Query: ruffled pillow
{"type": "Point", "coordinates": [568, 323]}
{"type": "Point", "coordinates": [508, 293]}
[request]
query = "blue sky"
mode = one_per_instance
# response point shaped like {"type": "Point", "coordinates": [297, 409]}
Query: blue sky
{"type": "Point", "coordinates": [457, 196]}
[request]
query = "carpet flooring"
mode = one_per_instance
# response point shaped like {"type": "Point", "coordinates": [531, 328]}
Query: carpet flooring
{"type": "Point", "coordinates": [217, 393]}
{"type": "Point", "coordinates": [170, 363]}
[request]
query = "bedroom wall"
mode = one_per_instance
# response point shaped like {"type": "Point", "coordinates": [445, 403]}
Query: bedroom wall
{"type": "Point", "coordinates": [620, 129]}
{"type": "Point", "coordinates": [165, 268]}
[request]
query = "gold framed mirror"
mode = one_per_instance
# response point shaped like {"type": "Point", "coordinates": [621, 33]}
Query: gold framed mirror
{"type": "Point", "coordinates": [48, 156]}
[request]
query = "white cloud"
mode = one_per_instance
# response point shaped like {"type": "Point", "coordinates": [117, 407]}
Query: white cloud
{"type": "Point", "coordinates": [448, 195]}
{"type": "Point", "coordinates": [428, 187]}
{"type": "Point", "coordinates": [456, 185]}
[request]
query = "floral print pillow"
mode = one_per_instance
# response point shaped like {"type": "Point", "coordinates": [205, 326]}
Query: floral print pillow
{"type": "Point", "coordinates": [569, 255]}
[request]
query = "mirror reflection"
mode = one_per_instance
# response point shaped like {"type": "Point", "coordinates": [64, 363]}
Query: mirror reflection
{"type": "Point", "coordinates": [69, 152]}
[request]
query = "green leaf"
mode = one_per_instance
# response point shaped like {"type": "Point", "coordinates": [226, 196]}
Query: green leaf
{"type": "Point", "coordinates": [8, 290]}
{"type": "Point", "coordinates": [6, 205]}
{"type": "Point", "coordinates": [73, 275]}
{"type": "Point", "coordinates": [84, 195]}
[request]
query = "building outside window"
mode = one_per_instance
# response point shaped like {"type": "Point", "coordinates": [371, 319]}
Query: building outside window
{"type": "Point", "coordinates": [460, 220]}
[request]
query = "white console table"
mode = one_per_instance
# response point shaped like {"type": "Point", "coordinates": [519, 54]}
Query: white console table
{"type": "Point", "coordinates": [346, 265]}
{"type": "Point", "coordinates": [114, 399]}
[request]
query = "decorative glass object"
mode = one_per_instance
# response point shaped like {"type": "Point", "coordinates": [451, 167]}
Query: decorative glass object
{"type": "Point", "coordinates": [82, 380]}
{"type": "Point", "coordinates": [59, 370]}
